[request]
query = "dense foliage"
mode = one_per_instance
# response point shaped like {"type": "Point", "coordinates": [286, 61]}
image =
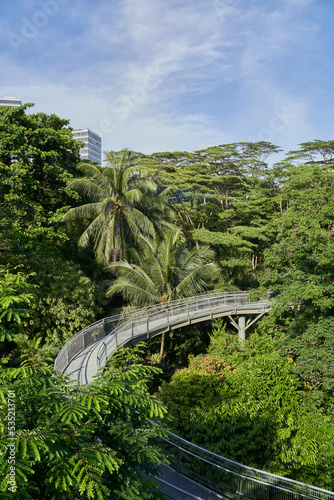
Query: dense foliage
{"type": "Point", "coordinates": [79, 242]}
{"type": "Point", "coordinates": [252, 407]}
{"type": "Point", "coordinates": [56, 454]}
{"type": "Point", "coordinates": [120, 199]}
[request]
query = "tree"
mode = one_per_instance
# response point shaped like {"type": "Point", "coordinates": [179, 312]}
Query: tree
{"type": "Point", "coordinates": [65, 302]}
{"type": "Point", "coordinates": [119, 198]}
{"type": "Point", "coordinates": [198, 184]}
{"type": "Point", "coordinates": [315, 153]}
{"type": "Point", "coordinates": [250, 406]}
{"type": "Point", "coordinates": [16, 295]}
{"type": "Point", "coordinates": [73, 442]}
{"type": "Point", "coordinates": [312, 348]}
{"type": "Point", "coordinates": [38, 156]}
{"type": "Point", "coordinates": [222, 195]}
{"type": "Point", "coordinates": [299, 272]}
{"type": "Point", "coordinates": [168, 270]}
{"type": "Point", "coordinates": [299, 264]}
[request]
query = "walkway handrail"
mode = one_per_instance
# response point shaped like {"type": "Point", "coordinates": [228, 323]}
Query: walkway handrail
{"type": "Point", "coordinates": [250, 482]}
{"type": "Point", "coordinates": [112, 324]}
{"type": "Point", "coordinates": [164, 314]}
{"type": "Point", "coordinates": [226, 476]}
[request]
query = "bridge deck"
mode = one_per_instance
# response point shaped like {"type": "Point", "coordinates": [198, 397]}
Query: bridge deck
{"type": "Point", "coordinates": [84, 366]}
{"type": "Point", "coordinates": [86, 352]}
{"type": "Point", "coordinates": [177, 486]}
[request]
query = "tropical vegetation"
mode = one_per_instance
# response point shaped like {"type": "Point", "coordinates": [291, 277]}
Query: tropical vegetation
{"type": "Point", "coordinates": [167, 270]}
{"type": "Point", "coordinates": [79, 242]}
{"type": "Point", "coordinates": [120, 198]}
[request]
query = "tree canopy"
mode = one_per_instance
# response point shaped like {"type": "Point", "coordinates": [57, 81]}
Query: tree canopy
{"type": "Point", "coordinates": [152, 228]}
{"type": "Point", "coordinates": [119, 197]}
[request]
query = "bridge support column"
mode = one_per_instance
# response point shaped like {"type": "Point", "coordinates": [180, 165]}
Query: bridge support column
{"type": "Point", "coordinates": [242, 325]}
{"type": "Point", "coordinates": [242, 328]}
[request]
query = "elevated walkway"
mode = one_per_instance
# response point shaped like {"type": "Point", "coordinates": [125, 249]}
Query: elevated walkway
{"type": "Point", "coordinates": [88, 351]}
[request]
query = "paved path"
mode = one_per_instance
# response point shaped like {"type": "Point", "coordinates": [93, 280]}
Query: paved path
{"type": "Point", "coordinates": [177, 486]}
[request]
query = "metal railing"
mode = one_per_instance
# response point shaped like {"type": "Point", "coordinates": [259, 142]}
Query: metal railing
{"type": "Point", "coordinates": [124, 328]}
{"type": "Point", "coordinates": [89, 335]}
{"type": "Point", "coordinates": [162, 317]}
{"type": "Point", "coordinates": [225, 476]}
{"type": "Point", "coordinates": [229, 478]}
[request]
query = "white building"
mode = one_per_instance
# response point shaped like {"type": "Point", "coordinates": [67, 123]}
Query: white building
{"type": "Point", "coordinates": [12, 102]}
{"type": "Point", "coordinates": [92, 148]}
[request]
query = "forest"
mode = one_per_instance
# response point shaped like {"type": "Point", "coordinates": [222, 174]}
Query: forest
{"type": "Point", "coordinates": [79, 242]}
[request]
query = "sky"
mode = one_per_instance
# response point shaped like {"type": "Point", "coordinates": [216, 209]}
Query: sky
{"type": "Point", "coordinates": [174, 75]}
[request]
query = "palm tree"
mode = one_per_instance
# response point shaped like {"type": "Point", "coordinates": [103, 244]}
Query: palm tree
{"type": "Point", "coordinates": [120, 198]}
{"type": "Point", "coordinates": [168, 270]}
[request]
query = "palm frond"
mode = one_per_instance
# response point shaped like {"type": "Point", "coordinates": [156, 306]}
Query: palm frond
{"type": "Point", "coordinates": [83, 212]}
{"type": "Point", "coordinates": [93, 228]}
{"type": "Point", "coordinates": [133, 293]}
{"type": "Point", "coordinates": [133, 195]}
{"type": "Point", "coordinates": [131, 278]}
{"type": "Point", "coordinates": [133, 273]}
{"type": "Point", "coordinates": [197, 281]}
{"type": "Point", "coordinates": [139, 223]}
{"type": "Point", "coordinates": [106, 241]}
{"type": "Point", "coordinates": [93, 172]}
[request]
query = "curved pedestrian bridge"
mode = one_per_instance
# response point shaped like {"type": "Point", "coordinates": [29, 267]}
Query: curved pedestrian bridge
{"type": "Point", "coordinates": [197, 473]}
{"type": "Point", "coordinates": [85, 353]}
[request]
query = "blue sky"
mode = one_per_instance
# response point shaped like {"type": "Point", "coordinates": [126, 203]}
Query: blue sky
{"type": "Point", "coordinates": [167, 75]}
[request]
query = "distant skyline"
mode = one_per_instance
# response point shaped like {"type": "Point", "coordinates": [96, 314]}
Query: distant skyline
{"type": "Point", "coordinates": [158, 75]}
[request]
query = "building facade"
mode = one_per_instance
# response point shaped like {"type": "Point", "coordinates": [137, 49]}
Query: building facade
{"type": "Point", "coordinates": [92, 148]}
{"type": "Point", "coordinates": [12, 102]}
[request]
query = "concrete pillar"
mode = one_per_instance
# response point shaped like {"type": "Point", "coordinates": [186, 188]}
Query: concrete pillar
{"type": "Point", "coordinates": [242, 328]}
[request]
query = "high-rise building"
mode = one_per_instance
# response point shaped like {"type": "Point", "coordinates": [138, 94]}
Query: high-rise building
{"type": "Point", "coordinates": [12, 102]}
{"type": "Point", "coordinates": [92, 148]}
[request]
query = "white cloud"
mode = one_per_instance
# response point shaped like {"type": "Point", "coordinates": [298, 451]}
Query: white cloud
{"type": "Point", "coordinates": [162, 133]}
{"type": "Point", "coordinates": [159, 75]}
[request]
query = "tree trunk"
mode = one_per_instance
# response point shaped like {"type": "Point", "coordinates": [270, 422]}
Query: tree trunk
{"type": "Point", "coordinates": [162, 347]}
{"type": "Point", "coordinates": [254, 262]}
{"type": "Point", "coordinates": [114, 255]}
